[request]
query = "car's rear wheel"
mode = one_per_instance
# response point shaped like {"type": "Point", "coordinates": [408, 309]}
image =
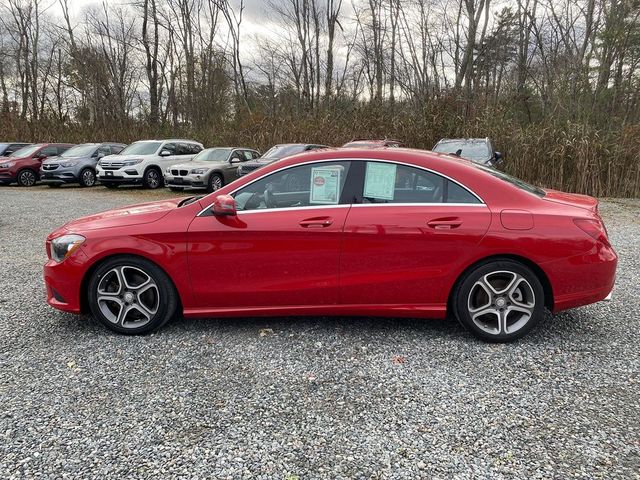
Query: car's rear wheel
{"type": "Point", "coordinates": [215, 182]}
{"type": "Point", "coordinates": [131, 295]}
{"type": "Point", "coordinates": [27, 178]}
{"type": "Point", "coordinates": [87, 178]}
{"type": "Point", "coordinates": [152, 178]}
{"type": "Point", "coordinates": [499, 301]}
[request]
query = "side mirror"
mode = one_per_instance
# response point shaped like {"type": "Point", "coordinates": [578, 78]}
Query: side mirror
{"type": "Point", "coordinates": [224, 205]}
{"type": "Point", "coordinates": [165, 153]}
{"type": "Point", "coordinates": [234, 160]}
{"type": "Point", "coordinates": [497, 158]}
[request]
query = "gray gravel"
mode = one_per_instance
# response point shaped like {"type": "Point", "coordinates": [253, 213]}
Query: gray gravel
{"type": "Point", "coordinates": [307, 398]}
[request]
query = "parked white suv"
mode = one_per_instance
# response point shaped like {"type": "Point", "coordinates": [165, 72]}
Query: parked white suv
{"type": "Point", "coordinates": [143, 162]}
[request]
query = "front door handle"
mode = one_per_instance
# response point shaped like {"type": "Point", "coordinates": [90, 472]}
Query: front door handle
{"type": "Point", "coordinates": [317, 222]}
{"type": "Point", "coordinates": [446, 223]}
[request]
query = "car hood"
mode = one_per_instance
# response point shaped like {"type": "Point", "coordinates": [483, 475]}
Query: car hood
{"type": "Point", "coordinates": [203, 164]}
{"type": "Point", "coordinates": [122, 217]}
{"type": "Point", "coordinates": [123, 158]}
{"type": "Point", "coordinates": [572, 199]}
{"type": "Point", "coordinates": [55, 159]}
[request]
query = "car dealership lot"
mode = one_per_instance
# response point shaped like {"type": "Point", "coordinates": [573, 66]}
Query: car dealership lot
{"type": "Point", "coordinates": [314, 398]}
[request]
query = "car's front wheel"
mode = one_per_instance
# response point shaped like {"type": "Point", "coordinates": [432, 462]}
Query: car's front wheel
{"type": "Point", "coordinates": [27, 178]}
{"type": "Point", "coordinates": [499, 301]}
{"type": "Point", "coordinates": [152, 178]}
{"type": "Point", "coordinates": [87, 178]}
{"type": "Point", "coordinates": [215, 182]}
{"type": "Point", "coordinates": [131, 295]}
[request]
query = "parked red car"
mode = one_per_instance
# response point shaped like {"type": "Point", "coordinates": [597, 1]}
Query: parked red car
{"type": "Point", "coordinates": [385, 232]}
{"type": "Point", "coordinates": [23, 166]}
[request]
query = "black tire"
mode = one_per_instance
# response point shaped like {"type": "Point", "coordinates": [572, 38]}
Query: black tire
{"type": "Point", "coordinates": [110, 185]}
{"type": "Point", "coordinates": [484, 289]}
{"type": "Point", "coordinates": [27, 178]}
{"type": "Point", "coordinates": [107, 311]}
{"type": "Point", "coordinates": [216, 182]}
{"type": "Point", "coordinates": [87, 177]}
{"type": "Point", "coordinates": [176, 189]}
{"type": "Point", "coordinates": [153, 178]}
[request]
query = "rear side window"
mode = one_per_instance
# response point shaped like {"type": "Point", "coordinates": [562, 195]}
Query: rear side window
{"type": "Point", "coordinates": [393, 183]}
{"type": "Point", "coordinates": [171, 148]}
{"type": "Point", "coordinates": [50, 151]}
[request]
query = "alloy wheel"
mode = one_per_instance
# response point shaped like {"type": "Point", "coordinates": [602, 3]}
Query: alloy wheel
{"type": "Point", "coordinates": [501, 302]}
{"type": "Point", "coordinates": [216, 183]}
{"type": "Point", "coordinates": [153, 179]}
{"type": "Point", "coordinates": [27, 178]}
{"type": "Point", "coordinates": [128, 297]}
{"type": "Point", "coordinates": [88, 178]}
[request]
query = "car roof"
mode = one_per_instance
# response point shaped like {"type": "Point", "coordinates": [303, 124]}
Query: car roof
{"type": "Point", "coordinates": [451, 140]}
{"type": "Point", "coordinates": [168, 140]}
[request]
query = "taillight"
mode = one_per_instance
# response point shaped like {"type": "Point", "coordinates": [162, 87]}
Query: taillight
{"type": "Point", "coordinates": [594, 228]}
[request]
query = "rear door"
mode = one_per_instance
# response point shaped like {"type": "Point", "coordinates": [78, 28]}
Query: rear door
{"type": "Point", "coordinates": [283, 247]}
{"type": "Point", "coordinates": [412, 228]}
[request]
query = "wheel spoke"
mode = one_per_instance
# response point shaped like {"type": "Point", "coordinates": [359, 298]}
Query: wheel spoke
{"type": "Point", "coordinates": [483, 286]}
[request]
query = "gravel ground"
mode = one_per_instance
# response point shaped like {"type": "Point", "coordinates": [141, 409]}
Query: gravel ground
{"type": "Point", "coordinates": [307, 397]}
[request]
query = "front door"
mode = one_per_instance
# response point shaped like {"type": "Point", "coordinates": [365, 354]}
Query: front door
{"type": "Point", "coordinates": [283, 247]}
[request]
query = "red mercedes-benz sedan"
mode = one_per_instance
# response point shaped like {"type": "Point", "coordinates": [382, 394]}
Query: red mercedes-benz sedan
{"type": "Point", "coordinates": [382, 232]}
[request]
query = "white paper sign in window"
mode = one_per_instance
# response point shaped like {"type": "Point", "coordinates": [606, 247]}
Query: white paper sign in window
{"type": "Point", "coordinates": [325, 185]}
{"type": "Point", "coordinates": [380, 180]}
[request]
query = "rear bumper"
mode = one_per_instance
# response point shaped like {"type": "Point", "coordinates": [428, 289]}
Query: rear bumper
{"type": "Point", "coordinates": [583, 279]}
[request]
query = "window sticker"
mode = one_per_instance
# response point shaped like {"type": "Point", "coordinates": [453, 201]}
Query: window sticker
{"type": "Point", "coordinates": [325, 185]}
{"type": "Point", "coordinates": [380, 180]}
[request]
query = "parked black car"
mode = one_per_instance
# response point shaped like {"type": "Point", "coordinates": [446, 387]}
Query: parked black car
{"type": "Point", "coordinates": [7, 148]}
{"type": "Point", "coordinates": [276, 153]}
{"type": "Point", "coordinates": [478, 150]}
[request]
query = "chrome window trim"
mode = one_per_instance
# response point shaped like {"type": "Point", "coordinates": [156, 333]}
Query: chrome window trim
{"type": "Point", "coordinates": [288, 209]}
{"type": "Point", "coordinates": [482, 202]}
{"type": "Point", "coordinates": [423, 204]}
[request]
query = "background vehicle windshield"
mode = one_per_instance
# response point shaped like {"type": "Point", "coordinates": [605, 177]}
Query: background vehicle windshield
{"type": "Point", "coordinates": [470, 150]}
{"type": "Point", "coordinates": [280, 151]}
{"type": "Point", "coordinates": [213, 155]}
{"type": "Point", "coordinates": [80, 150]}
{"type": "Point", "coordinates": [141, 148]}
{"type": "Point", "coordinates": [522, 185]}
{"type": "Point", "coordinates": [26, 151]}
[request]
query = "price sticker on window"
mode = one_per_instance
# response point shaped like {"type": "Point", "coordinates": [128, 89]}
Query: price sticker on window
{"type": "Point", "coordinates": [325, 185]}
{"type": "Point", "coordinates": [380, 180]}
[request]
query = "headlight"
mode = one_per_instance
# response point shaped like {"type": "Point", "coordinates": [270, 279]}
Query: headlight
{"type": "Point", "coordinates": [70, 163]}
{"type": "Point", "coordinates": [128, 163]}
{"type": "Point", "coordinates": [199, 171]}
{"type": "Point", "coordinates": [62, 247]}
{"type": "Point", "coordinates": [7, 165]}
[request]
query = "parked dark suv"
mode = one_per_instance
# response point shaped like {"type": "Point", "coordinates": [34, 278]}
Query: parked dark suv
{"type": "Point", "coordinates": [7, 148]}
{"type": "Point", "coordinates": [23, 166]}
{"type": "Point", "coordinates": [77, 165]}
{"type": "Point", "coordinates": [277, 152]}
{"type": "Point", "coordinates": [478, 150]}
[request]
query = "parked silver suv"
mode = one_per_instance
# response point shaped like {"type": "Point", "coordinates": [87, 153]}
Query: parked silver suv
{"type": "Point", "coordinates": [143, 162]}
{"type": "Point", "coordinates": [212, 168]}
{"type": "Point", "coordinates": [77, 165]}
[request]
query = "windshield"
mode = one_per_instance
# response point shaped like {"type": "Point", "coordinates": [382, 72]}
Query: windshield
{"type": "Point", "coordinates": [80, 150]}
{"type": "Point", "coordinates": [478, 151]}
{"type": "Point", "coordinates": [280, 151]}
{"type": "Point", "coordinates": [213, 155]}
{"type": "Point", "coordinates": [26, 151]}
{"type": "Point", "coordinates": [522, 185]}
{"type": "Point", "coordinates": [141, 148]}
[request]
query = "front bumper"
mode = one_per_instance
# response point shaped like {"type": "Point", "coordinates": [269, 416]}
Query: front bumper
{"type": "Point", "coordinates": [189, 181]}
{"type": "Point", "coordinates": [124, 175]}
{"type": "Point", "coordinates": [6, 176]}
{"type": "Point", "coordinates": [63, 282]}
{"type": "Point", "coordinates": [58, 176]}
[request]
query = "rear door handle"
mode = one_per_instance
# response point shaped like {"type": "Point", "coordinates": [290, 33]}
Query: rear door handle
{"type": "Point", "coordinates": [318, 222]}
{"type": "Point", "coordinates": [448, 223]}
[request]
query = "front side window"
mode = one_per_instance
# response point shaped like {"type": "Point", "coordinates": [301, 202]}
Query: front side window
{"type": "Point", "coordinates": [218, 155]}
{"type": "Point", "coordinates": [316, 184]}
{"type": "Point", "coordinates": [393, 183]}
{"type": "Point", "coordinates": [171, 148]}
